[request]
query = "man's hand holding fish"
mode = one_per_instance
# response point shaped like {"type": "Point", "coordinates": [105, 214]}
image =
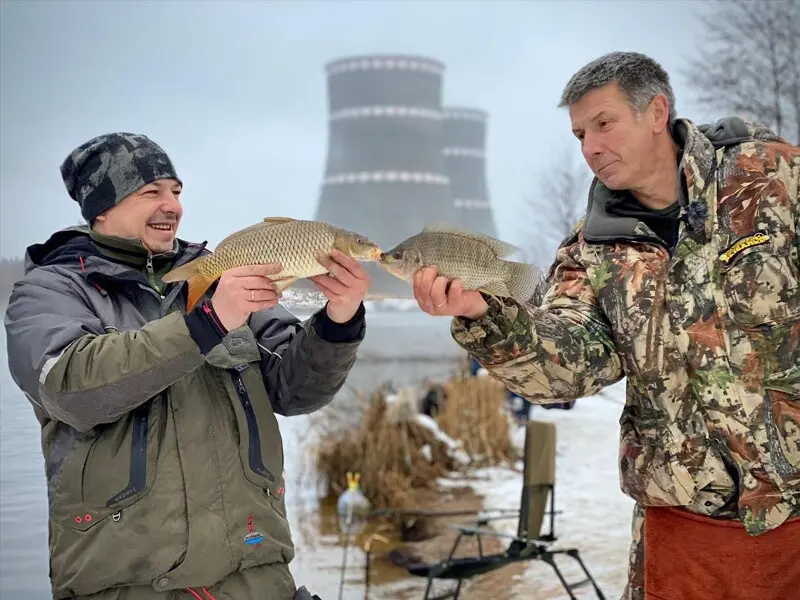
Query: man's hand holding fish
{"type": "Point", "coordinates": [440, 296]}
{"type": "Point", "coordinates": [345, 286]}
{"type": "Point", "coordinates": [242, 291]}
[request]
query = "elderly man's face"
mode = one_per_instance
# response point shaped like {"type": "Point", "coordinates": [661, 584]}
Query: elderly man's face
{"type": "Point", "coordinates": [616, 142]}
{"type": "Point", "coordinates": [151, 214]}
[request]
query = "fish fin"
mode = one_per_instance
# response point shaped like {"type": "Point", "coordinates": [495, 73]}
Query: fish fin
{"type": "Point", "coordinates": [276, 220]}
{"type": "Point", "coordinates": [502, 249]}
{"type": "Point", "coordinates": [198, 285]}
{"type": "Point", "coordinates": [523, 281]}
{"type": "Point", "coordinates": [190, 272]}
{"type": "Point", "coordinates": [495, 288]}
{"type": "Point", "coordinates": [185, 271]}
{"type": "Point", "coordinates": [282, 284]}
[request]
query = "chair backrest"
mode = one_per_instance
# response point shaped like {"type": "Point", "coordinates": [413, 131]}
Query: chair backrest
{"type": "Point", "coordinates": [539, 477]}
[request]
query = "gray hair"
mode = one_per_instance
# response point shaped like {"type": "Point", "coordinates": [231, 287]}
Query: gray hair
{"type": "Point", "coordinates": [638, 76]}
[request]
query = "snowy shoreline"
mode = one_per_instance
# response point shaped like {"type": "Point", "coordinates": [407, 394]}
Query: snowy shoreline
{"type": "Point", "coordinates": [307, 301]}
{"type": "Point", "coordinates": [596, 515]}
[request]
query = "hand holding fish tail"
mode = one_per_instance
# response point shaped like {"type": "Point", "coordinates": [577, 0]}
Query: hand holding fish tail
{"type": "Point", "coordinates": [242, 291]}
{"type": "Point", "coordinates": [439, 296]}
{"type": "Point", "coordinates": [345, 286]}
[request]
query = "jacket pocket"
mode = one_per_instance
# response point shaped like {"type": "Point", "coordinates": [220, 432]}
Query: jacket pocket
{"type": "Point", "coordinates": [260, 442]}
{"type": "Point", "coordinates": [760, 281]}
{"type": "Point", "coordinates": [782, 421]}
{"type": "Point", "coordinates": [111, 471]}
{"type": "Point", "coordinates": [654, 469]}
{"type": "Point", "coordinates": [108, 525]}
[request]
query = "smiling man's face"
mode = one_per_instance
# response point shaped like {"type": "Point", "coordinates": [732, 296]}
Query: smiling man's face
{"type": "Point", "coordinates": [616, 140]}
{"type": "Point", "coordinates": [151, 214]}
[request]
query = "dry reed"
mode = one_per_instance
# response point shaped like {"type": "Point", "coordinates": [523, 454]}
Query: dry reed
{"type": "Point", "coordinates": [376, 449]}
{"type": "Point", "coordinates": [475, 413]}
{"type": "Point", "coordinates": [396, 474]}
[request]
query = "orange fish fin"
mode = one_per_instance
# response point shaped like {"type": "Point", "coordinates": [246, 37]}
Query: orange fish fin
{"type": "Point", "coordinates": [184, 272]}
{"type": "Point", "coordinates": [198, 285]}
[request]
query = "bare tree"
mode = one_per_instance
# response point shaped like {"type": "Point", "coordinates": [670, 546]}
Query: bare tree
{"type": "Point", "coordinates": [748, 62]}
{"type": "Point", "coordinates": [553, 211]}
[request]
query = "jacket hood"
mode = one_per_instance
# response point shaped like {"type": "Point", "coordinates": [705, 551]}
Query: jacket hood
{"type": "Point", "coordinates": [730, 131]}
{"type": "Point", "coordinates": [60, 247]}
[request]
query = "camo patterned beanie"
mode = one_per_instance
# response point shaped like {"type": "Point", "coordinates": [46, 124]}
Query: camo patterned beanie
{"type": "Point", "coordinates": [101, 172]}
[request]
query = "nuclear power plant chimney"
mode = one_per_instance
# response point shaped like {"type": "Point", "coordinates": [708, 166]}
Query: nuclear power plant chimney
{"type": "Point", "coordinates": [385, 173]}
{"type": "Point", "coordinates": [465, 154]}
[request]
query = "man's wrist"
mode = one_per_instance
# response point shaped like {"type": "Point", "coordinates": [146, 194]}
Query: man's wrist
{"type": "Point", "coordinates": [335, 331]}
{"type": "Point", "coordinates": [205, 327]}
{"type": "Point", "coordinates": [475, 315]}
{"type": "Point", "coordinates": [341, 315]}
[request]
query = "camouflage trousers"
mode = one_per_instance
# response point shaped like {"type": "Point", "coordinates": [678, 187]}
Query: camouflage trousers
{"type": "Point", "coordinates": [270, 582]}
{"type": "Point", "coordinates": [634, 589]}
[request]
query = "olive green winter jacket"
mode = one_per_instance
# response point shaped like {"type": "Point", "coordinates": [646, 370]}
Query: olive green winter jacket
{"type": "Point", "coordinates": [163, 455]}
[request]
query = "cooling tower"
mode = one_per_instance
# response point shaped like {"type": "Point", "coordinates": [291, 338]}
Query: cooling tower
{"type": "Point", "coordinates": [464, 132]}
{"type": "Point", "coordinates": [385, 174]}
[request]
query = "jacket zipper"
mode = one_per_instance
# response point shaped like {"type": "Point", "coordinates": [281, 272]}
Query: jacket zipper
{"type": "Point", "coordinates": [254, 440]}
{"type": "Point", "coordinates": [151, 275]}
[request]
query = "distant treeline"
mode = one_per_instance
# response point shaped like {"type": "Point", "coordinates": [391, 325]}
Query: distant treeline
{"type": "Point", "coordinates": [11, 269]}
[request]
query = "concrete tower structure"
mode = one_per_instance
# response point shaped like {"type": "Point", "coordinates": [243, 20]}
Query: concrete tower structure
{"type": "Point", "coordinates": [385, 174]}
{"type": "Point", "coordinates": [464, 150]}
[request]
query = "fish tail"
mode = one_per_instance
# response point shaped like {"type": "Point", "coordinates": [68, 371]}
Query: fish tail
{"type": "Point", "coordinates": [198, 282]}
{"type": "Point", "coordinates": [523, 281]}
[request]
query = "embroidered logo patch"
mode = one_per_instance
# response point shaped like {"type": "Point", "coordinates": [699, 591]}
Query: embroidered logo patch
{"type": "Point", "coordinates": [253, 538]}
{"type": "Point", "coordinates": [743, 244]}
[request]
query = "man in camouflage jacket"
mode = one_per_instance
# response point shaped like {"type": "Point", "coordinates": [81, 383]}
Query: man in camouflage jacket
{"type": "Point", "coordinates": [683, 277]}
{"type": "Point", "coordinates": [162, 450]}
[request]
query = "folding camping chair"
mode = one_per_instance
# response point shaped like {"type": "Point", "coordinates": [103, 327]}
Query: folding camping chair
{"type": "Point", "coordinates": [529, 543]}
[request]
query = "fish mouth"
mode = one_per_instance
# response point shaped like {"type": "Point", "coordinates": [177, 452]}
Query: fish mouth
{"type": "Point", "coordinates": [376, 253]}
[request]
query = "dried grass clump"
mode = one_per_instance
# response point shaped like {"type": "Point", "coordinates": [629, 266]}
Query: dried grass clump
{"type": "Point", "coordinates": [475, 413]}
{"type": "Point", "coordinates": [368, 438]}
{"type": "Point", "coordinates": [376, 449]}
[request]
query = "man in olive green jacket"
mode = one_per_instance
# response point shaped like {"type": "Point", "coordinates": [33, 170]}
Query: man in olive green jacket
{"type": "Point", "coordinates": [163, 454]}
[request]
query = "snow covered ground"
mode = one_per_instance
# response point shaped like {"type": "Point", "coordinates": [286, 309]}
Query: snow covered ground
{"type": "Point", "coordinates": [307, 301]}
{"type": "Point", "coordinates": [596, 514]}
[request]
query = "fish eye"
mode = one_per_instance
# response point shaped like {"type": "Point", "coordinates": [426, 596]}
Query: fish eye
{"type": "Point", "coordinates": [397, 255]}
{"type": "Point", "coordinates": [359, 240]}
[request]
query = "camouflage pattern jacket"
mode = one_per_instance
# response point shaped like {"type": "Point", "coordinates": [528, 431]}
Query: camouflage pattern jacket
{"type": "Point", "coordinates": [707, 336]}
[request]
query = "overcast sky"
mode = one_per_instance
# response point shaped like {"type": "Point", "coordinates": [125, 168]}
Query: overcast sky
{"type": "Point", "coordinates": [235, 91]}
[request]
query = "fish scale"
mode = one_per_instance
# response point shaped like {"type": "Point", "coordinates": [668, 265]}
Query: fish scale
{"type": "Point", "coordinates": [448, 254]}
{"type": "Point", "coordinates": [294, 244]}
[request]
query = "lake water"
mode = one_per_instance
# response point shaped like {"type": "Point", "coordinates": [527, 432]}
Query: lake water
{"type": "Point", "coordinates": [399, 347]}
